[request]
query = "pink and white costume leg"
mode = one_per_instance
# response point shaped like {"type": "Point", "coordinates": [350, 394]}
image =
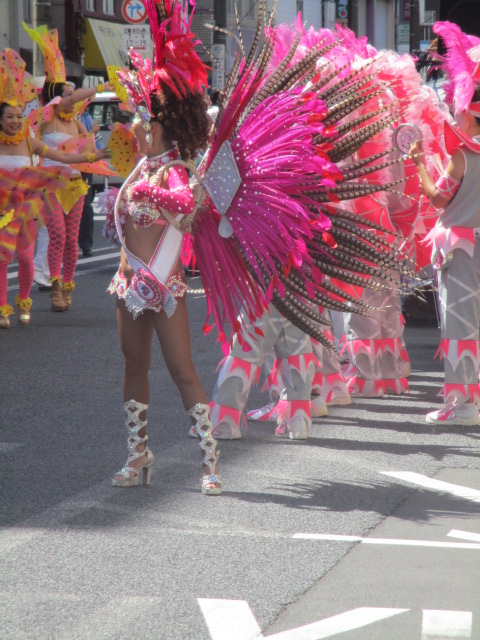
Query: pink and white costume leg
{"type": "Point", "coordinates": [459, 289]}
{"type": "Point", "coordinates": [240, 369]}
{"type": "Point", "coordinates": [330, 381]}
{"type": "Point", "coordinates": [374, 344]}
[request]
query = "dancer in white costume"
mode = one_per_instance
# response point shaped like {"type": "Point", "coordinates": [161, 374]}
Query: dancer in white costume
{"type": "Point", "coordinates": [456, 236]}
{"type": "Point", "coordinates": [456, 256]}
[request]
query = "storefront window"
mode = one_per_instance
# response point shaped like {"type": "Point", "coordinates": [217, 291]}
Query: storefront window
{"type": "Point", "coordinates": [109, 7]}
{"type": "Point", "coordinates": [28, 10]}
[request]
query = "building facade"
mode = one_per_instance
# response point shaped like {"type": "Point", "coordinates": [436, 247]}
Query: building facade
{"type": "Point", "coordinates": [95, 33]}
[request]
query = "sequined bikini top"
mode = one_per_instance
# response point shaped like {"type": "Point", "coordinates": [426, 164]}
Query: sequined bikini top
{"type": "Point", "coordinates": [144, 212]}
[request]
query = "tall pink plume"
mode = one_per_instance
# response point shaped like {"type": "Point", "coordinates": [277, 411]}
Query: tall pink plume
{"type": "Point", "coordinates": [457, 63]}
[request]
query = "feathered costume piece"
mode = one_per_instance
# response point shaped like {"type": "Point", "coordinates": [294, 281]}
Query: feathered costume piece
{"type": "Point", "coordinates": [462, 66]}
{"type": "Point", "coordinates": [47, 41]}
{"type": "Point", "coordinates": [404, 212]}
{"type": "Point", "coordinates": [458, 63]}
{"type": "Point", "coordinates": [264, 232]}
{"type": "Point", "coordinates": [175, 65]}
{"type": "Point", "coordinates": [17, 87]}
{"type": "Point", "coordinates": [291, 125]}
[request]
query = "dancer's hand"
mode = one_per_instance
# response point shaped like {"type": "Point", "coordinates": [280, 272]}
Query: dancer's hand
{"type": "Point", "coordinates": [103, 153]}
{"type": "Point", "coordinates": [416, 153]}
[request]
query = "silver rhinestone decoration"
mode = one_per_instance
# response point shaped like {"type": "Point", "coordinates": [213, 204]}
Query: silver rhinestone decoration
{"type": "Point", "coordinates": [222, 179]}
{"type": "Point", "coordinates": [225, 229]}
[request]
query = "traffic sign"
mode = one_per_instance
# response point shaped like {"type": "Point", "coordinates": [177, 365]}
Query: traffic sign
{"type": "Point", "coordinates": [137, 37]}
{"type": "Point", "coordinates": [134, 11]}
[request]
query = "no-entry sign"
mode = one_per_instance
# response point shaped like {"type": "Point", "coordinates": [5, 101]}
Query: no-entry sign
{"type": "Point", "coordinates": [134, 11]}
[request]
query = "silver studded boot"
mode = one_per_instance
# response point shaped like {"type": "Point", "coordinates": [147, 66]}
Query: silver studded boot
{"type": "Point", "coordinates": [128, 476]}
{"type": "Point", "coordinates": [203, 428]}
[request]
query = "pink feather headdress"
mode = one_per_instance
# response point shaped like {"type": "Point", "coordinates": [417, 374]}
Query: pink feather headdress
{"type": "Point", "coordinates": [175, 64]}
{"type": "Point", "coordinates": [461, 64]}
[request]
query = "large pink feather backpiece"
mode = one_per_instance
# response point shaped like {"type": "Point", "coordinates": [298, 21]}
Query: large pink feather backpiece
{"type": "Point", "coordinates": [288, 120]}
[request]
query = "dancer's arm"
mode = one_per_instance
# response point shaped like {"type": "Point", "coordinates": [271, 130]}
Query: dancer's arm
{"type": "Point", "coordinates": [178, 198]}
{"type": "Point", "coordinates": [79, 95]}
{"type": "Point", "coordinates": [439, 193]}
{"type": "Point", "coordinates": [43, 150]}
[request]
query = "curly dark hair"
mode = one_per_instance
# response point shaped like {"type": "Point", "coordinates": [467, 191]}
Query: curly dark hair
{"type": "Point", "coordinates": [185, 120]}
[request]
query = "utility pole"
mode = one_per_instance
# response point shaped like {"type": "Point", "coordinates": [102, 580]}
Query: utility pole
{"type": "Point", "coordinates": [220, 19]}
{"type": "Point", "coordinates": [34, 44]}
{"type": "Point", "coordinates": [219, 42]}
{"type": "Point", "coordinates": [414, 24]}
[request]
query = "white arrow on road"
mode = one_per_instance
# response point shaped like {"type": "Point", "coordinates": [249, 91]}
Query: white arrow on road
{"type": "Point", "coordinates": [446, 625]}
{"type": "Point", "coordinates": [234, 620]}
{"type": "Point", "coordinates": [435, 485]}
{"type": "Point", "coordinates": [464, 535]}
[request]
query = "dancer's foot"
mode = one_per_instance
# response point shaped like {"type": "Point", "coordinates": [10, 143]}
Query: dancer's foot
{"type": "Point", "coordinates": [451, 415]}
{"type": "Point", "coordinates": [56, 297]}
{"type": "Point", "coordinates": [263, 414]}
{"type": "Point", "coordinates": [23, 309]}
{"type": "Point", "coordinates": [319, 406]}
{"type": "Point", "coordinates": [297, 429]}
{"type": "Point", "coordinates": [338, 397]}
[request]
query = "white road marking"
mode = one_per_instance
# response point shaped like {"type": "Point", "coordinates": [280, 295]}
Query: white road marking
{"type": "Point", "coordinates": [387, 541]}
{"type": "Point", "coordinates": [348, 621]}
{"type": "Point", "coordinates": [464, 535]}
{"type": "Point", "coordinates": [435, 485]}
{"type": "Point", "coordinates": [113, 253]}
{"type": "Point", "coordinates": [234, 620]}
{"type": "Point", "coordinates": [229, 619]}
{"type": "Point", "coordinates": [446, 625]}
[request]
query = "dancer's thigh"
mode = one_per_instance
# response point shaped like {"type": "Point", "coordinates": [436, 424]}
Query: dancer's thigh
{"type": "Point", "coordinates": [135, 334]}
{"type": "Point", "coordinates": [174, 337]}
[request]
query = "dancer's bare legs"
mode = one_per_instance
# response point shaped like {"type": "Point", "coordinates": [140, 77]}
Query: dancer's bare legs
{"type": "Point", "coordinates": [174, 337]}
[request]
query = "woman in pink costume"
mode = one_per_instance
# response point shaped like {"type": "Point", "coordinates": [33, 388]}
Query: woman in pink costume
{"type": "Point", "coordinates": [156, 202]}
{"type": "Point", "coordinates": [20, 222]}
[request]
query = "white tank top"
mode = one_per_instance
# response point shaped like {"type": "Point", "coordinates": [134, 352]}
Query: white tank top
{"type": "Point", "coordinates": [54, 140]}
{"type": "Point", "coordinates": [10, 163]}
{"type": "Point", "coordinates": [464, 209]}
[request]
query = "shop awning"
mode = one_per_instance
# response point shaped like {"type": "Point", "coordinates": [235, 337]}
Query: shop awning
{"type": "Point", "coordinates": [103, 45]}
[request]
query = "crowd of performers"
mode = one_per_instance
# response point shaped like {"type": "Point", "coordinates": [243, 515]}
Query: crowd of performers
{"type": "Point", "coordinates": [329, 178]}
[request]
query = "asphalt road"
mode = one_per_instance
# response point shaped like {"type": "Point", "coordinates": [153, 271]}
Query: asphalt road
{"type": "Point", "coordinates": [369, 530]}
